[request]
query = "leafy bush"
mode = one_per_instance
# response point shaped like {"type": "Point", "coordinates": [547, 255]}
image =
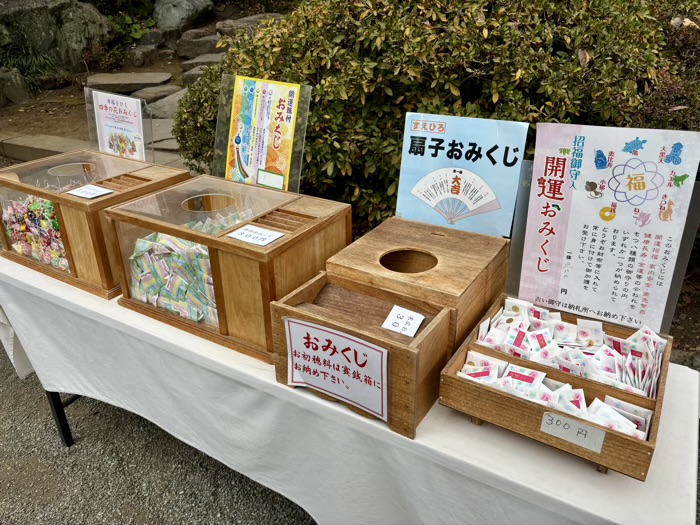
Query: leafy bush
{"type": "Point", "coordinates": [371, 61]}
{"type": "Point", "coordinates": [674, 102]}
{"type": "Point", "coordinates": [127, 29]}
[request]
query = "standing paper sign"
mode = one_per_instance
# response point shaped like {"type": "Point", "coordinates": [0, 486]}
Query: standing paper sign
{"type": "Point", "coordinates": [342, 366]}
{"type": "Point", "coordinates": [119, 125]}
{"type": "Point", "coordinates": [607, 211]}
{"type": "Point", "coordinates": [461, 172]}
{"type": "Point", "coordinates": [261, 135]}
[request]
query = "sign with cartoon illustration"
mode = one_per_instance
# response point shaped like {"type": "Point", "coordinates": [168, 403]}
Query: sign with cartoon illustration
{"type": "Point", "coordinates": [119, 125]}
{"type": "Point", "coordinates": [607, 211]}
{"type": "Point", "coordinates": [461, 172]}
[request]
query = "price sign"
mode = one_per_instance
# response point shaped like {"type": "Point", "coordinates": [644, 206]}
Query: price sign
{"type": "Point", "coordinates": [403, 321]}
{"type": "Point", "coordinates": [338, 364]}
{"type": "Point", "coordinates": [89, 192]}
{"type": "Point", "coordinates": [572, 431]}
{"type": "Point", "coordinates": [255, 235]}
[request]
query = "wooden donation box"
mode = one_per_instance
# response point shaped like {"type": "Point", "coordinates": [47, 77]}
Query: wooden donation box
{"type": "Point", "coordinates": [446, 276]}
{"type": "Point", "coordinates": [208, 255]}
{"type": "Point", "coordinates": [53, 213]}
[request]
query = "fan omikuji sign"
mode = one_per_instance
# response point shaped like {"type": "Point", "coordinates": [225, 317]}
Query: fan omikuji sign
{"type": "Point", "coordinates": [461, 172]}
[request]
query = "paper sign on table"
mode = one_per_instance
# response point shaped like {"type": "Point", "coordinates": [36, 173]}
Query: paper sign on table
{"type": "Point", "coordinates": [255, 235]}
{"type": "Point", "coordinates": [119, 125]}
{"type": "Point", "coordinates": [90, 191]}
{"type": "Point", "coordinates": [572, 431]}
{"type": "Point", "coordinates": [339, 365]}
{"type": "Point", "coordinates": [403, 321]}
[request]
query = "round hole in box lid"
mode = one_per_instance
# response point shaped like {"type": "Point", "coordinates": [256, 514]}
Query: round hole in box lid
{"type": "Point", "coordinates": [72, 169]}
{"type": "Point", "coordinates": [408, 261]}
{"type": "Point", "coordinates": [208, 202]}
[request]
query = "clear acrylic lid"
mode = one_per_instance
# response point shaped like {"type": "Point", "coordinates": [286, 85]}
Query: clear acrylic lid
{"type": "Point", "coordinates": [66, 172]}
{"type": "Point", "coordinates": [208, 204]}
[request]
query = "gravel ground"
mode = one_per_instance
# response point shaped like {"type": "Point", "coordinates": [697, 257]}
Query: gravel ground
{"type": "Point", "coordinates": [122, 470]}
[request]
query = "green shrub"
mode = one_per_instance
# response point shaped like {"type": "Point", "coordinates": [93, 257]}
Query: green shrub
{"type": "Point", "coordinates": [371, 61]}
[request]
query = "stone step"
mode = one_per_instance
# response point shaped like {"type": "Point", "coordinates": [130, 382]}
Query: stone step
{"type": "Point", "coordinates": [249, 23]}
{"type": "Point", "coordinates": [162, 129]}
{"type": "Point", "coordinates": [167, 107]}
{"type": "Point", "coordinates": [32, 147]}
{"type": "Point", "coordinates": [202, 60]}
{"type": "Point", "coordinates": [166, 145]}
{"type": "Point", "coordinates": [191, 76]}
{"type": "Point", "coordinates": [191, 47]}
{"type": "Point", "coordinates": [154, 93]}
{"type": "Point", "coordinates": [126, 82]}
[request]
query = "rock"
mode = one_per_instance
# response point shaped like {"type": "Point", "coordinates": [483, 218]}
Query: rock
{"type": "Point", "coordinates": [143, 55]}
{"type": "Point", "coordinates": [162, 128]}
{"type": "Point", "coordinates": [191, 76]}
{"type": "Point", "coordinates": [167, 107]}
{"type": "Point", "coordinates": [202, 60]}
{"type": "Point", "coordinates": [126, 82]}
{"type": "Point", "coordinates": [64, 29]}
{"type": "Point", "coordinates": [166, 145]}
{"type": "Point", "coordinates": [249, 23]}
{"type": "Point", "coordinates": [194, 47]}
{"type": "Point", "coordinates": [167, 54]}
{"type": "Point", "coordinates": [152, 94]}
{"type": "Point", "coordinates": [179, 14]}
{"type": "Point", "coordinates": [154, 37]}
{"type": "Point", "coordinates": [13, 88]}
{"type": "Point", "coordinates": [193, 34]}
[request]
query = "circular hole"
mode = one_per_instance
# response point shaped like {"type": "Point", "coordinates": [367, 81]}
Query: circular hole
{"type": "Point", "coordinates": [408, 261]}
{"type": "Point", "coordinates": [208, 202]}
{"type": "Point", "coordinates": [73, 169]}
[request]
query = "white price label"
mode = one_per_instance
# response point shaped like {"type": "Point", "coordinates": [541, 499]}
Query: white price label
{"type": "Point", "coordinates": [572, 431]}
{"type": "Point", "coordinates": [403, 321]}
{"type": "Point", "coordinates": [90, 192]}
{"type": "Point", "coordinates": [255, 235]}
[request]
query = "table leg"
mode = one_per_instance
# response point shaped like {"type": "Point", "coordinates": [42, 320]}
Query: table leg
{"type": "Point", "coordinates": [59, 416]}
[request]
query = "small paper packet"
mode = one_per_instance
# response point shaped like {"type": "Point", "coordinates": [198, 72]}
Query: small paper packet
{"type": "Point", "coordinates": [590, 331]}
{"type": "Point", "coordinates": [517, 338]}
{"type": "Point", "coordinates": [494, 337]}
{"type": "Point", "coordinates": [524, 376]}
{"type": "Point", "coordinates": [482, 374]}
{"type": "Point", "coordinates": [535, 312]}
{"type": "Point", "coordinates": [476, 359]}
{"type": "Point", "coordinates": [576, 397]}
{"type": "Point", "coordinates": [538, 340]}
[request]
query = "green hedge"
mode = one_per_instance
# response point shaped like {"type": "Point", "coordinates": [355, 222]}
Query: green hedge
{"type": "Point", "coordinates": [371, 61]}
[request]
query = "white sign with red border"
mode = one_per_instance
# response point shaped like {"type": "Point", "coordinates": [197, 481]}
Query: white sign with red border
{"type": "Point", "coordinates": [339, 365]}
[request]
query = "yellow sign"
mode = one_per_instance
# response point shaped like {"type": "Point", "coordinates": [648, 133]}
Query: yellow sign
{"type": "Point", "coordinates": [261, 136]}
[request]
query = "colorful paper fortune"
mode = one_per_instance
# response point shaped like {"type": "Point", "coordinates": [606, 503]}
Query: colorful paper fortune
{"type": "Point", "coordinates": [174, 274]}
{"type": "Point", "coordinates": [33, 230]}
{"type": "Point", "coordinates": [534, 386]}
{"type": "Point", "coordinates": [632, 364]}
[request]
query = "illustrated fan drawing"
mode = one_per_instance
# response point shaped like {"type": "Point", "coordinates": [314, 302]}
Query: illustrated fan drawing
{"type": "Point", "coordinates": [456, 193]}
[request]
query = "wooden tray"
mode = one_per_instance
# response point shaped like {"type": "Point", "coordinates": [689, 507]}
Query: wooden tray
{"type": "Point", "coordinates": [620, 452]}
{"type": "Point", "coordinates": [358, 310]}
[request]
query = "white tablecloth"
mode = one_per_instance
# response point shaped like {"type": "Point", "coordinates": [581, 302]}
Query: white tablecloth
{"type": "Point", "coordinates": [342, 468]}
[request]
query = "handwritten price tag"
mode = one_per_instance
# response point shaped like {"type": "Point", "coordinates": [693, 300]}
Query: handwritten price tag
{"type": "Point", "coordinates": [89, 192]}
{"type": "Point", "coordinates": [403, 321]}
{"type": "Point", "coordinates": [255, 235]}
{"type": "Point", "coordinates": [572, 431]}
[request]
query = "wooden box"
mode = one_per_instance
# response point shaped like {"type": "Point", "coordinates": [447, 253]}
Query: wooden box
{"type": "Point", "coordinates": [62, 235]}
{"type": "Point", "coordinates": [619, 452]}
{"type": "Point", "coordinates": [228, 283]}
{"type": "Point", "coordinates": [444, 267]}
{"type": "Point", "coordinates": [414, 363]}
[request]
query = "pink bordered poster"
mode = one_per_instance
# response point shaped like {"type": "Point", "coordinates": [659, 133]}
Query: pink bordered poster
{"type": "Point", "coordinates": [607, 211]}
